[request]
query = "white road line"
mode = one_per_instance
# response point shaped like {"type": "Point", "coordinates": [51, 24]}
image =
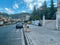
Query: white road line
{"type": "Point", "coordinates": [15, 39]}
{"type": "Point", "coordinates": [17, 30]}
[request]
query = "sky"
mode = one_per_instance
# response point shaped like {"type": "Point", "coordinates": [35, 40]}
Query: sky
{"type": "Point", "coordinates": [18, 6]}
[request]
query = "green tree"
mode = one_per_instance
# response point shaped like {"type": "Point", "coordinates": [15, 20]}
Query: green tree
{"type": "Point", "coordinates": [45, 9]}
{"type": "Point", "coordinates": [34, 16]}
{"type": "Point", "coordinates": [54, 16]}
{"type": "Point", "coordinates": [52, 9]}
{"type": "Point", "coordinates": [34, 11]}
{"type": "Point", "coordinates": [39, 13]}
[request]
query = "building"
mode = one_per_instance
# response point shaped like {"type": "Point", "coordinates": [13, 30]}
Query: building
{"type": "Point", "coordinates": [58, 15]}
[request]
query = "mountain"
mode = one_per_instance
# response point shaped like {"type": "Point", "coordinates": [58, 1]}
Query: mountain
{"type": "Point", "coordinates": [4, 14]}
{"type": "Point", "coordinates": [18, 15]}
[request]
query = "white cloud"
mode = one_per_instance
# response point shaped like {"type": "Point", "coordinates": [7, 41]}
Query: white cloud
{"type": "Point", "coordinates": [23, 11]}
{"type": "Point", "coordinates": [31, 6]}
{"type": "Point", "coordinates": [15, 6]}
{"type": "Point", "coordinates": [39, 4]}
{"type": "Point", "coordinates": [28, 1]}
{"type": "Point", "coordinates": [55, 4]}
{"type": "Point", "coordinates": [34, 3]}
{"type": "Point", "coordinates": [41, 0]}
{"type": "Point", "coordinates": [9, 10]}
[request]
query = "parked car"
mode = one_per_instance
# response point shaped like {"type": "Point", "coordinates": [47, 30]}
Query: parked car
{"type": "Point", "coordinates": [1, 22]}
{"type": "Point", "coordinates": [39, 24]}
{"type": "Point", "coordinates": [36, 22]}
{"type": "Point", "coordinates": [19, 25]}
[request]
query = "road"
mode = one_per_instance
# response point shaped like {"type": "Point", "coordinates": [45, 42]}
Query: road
{"type": "Point", "coordinates": [11, 36]}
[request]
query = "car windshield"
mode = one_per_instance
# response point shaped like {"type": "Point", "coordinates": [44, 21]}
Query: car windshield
{"type": "Point", "coordinates": [19, 23]}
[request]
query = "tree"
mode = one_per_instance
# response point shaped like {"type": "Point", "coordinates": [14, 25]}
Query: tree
{"type": "Point", "coordinates": [52, 11]}
{"type": "Point", "coordinates": [34, 16]}
{"type": "Point", "coordinates": [39, 13]}
{"type": "Point", "coordinates": [34, 11]}
{"type": "Point", "coordinates": [44, 9]}
{"type": "Point", "coordinates": [49, 12]}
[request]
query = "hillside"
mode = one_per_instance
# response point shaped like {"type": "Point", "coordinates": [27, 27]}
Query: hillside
{"type": "Point", "coordinates": [4, 14]}
{"type": "Point", "coordinates": [18, 15]}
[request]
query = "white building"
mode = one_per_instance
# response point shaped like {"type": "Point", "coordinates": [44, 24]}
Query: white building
{"type": "Point", "coordinates": [58, 16]}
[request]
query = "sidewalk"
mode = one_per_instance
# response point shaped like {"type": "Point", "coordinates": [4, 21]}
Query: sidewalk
{"type": "Point", "coordinates": [42, 36]}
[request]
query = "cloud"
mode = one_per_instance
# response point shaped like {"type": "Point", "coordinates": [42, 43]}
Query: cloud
{"type": "Point", "coordinates": [15, 6]}
{"type": "Point", "coordinates": [39, 5]}
{"type": "Point", "coordinates": [41, 0]}
{"type": "Point", "coordinates": [31, 6]}
{"type": "Point", "coordinates": [23, 11]}
{"type": "Point", "coordinates": [31, 3]}
{"type": "Point", "coordinates": [55, 3]}
{"type": "Point", "coordinates": [34, 3]}
{"type": "Point", "coordinates": [9, 10]}
{"type": "Point", "coordinates": [28, 1]}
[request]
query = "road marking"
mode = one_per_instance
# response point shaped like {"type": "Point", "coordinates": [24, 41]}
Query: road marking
{"type": "Point", "coordinates": [15, 39]}
{"type": "Point", "coordinates": [18, 38]}
{"type": "Point", "coordinates": [17, 30]}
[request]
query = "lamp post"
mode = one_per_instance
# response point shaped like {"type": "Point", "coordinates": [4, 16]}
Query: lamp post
{"type": "Point", "coordinates": [43, 20]}
{"type": "Point", "coordinates": [43, 16]}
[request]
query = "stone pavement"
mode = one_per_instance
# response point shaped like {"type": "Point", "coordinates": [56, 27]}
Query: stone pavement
{"type": "Point", "coordinates": [42, 36]}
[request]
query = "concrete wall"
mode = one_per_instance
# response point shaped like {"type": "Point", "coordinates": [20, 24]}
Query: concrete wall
{"type": "Point", "coordinates": [50, 24]}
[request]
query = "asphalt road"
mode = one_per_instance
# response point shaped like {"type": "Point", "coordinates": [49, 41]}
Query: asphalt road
{"type": "Point", "coordinates": [11, 36]}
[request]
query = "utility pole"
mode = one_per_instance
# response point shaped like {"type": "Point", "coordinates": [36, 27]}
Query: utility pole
{"type": "Point", "coordinates": [43, 20]}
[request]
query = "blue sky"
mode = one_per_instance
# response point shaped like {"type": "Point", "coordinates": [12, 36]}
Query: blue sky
{"type": "Point", "coordinates": [18, 6]}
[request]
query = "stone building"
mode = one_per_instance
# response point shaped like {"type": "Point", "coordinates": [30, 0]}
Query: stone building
{"type": "Point", "coordinates": [58, 15]}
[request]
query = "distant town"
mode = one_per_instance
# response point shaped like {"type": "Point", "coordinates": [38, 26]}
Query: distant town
{"type": "Point", "coordinates": [4, 20]}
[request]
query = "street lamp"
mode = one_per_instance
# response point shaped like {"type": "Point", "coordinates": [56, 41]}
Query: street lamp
{"type": "Point", "coordinates": [41, 8]}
